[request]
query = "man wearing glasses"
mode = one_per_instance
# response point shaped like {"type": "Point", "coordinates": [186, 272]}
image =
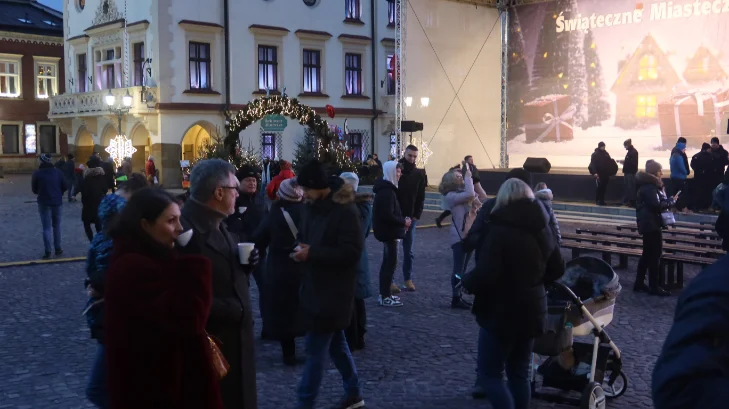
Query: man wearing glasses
{"type": "Point", "coordinates": [213, 192]}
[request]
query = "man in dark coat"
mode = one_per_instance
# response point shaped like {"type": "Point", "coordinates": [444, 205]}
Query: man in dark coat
{"type": "Point", "coordinates": [109, 166]}
{"type": "Point", "coordinates": [213, 191]}
{"type": "Point", "coordinates": [691, 371]}
{"type": "Point", "coordinates": [331, 245]}
{"type": "Point", "coordinates": [702, 164]}
{"type": "Point", "coordinates": [69, 176]}
{"type": "Point", "coordinates": [719, 162]}
{"type": "Point", "coordinates": [93, 190]}
{"type": "Point", "coordinates": [630, 168]}
{"type": "Point", "coordinates": [411, 195]}
{"type": "Point", "coordinates": [48, 183]}
{"type": "Point", "coordinates": [602, 166]}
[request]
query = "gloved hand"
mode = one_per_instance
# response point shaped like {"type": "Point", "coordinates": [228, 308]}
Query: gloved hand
{"type": "Point", "coordinates": [254, 258]}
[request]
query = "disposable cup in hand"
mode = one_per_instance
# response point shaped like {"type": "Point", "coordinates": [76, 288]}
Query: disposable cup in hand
{"type": "Point", "coordinates": [244, 252]}
{"type": "Point", "coordinates": [184, 238]}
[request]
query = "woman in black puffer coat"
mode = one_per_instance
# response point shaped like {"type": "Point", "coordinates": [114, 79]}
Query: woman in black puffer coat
{"type": "Point", "coordinates": [93, 190]}
{"type": "Point", "coordinates": [650, 203]}
{"type": "Point", "coordinates": [518, 257]}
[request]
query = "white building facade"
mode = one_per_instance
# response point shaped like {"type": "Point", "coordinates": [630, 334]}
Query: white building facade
{"type": "Point", "coordinates": [171, 58]}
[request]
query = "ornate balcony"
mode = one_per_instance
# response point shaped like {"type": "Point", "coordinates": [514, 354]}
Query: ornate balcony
{"type": "Point", "coordinates": [92, 103]}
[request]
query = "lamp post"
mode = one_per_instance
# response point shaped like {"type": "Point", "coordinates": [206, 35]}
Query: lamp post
{"type": "Point", "coordinates": [120, 147]}
{"type": "Point", "coordinates": [119, 110]}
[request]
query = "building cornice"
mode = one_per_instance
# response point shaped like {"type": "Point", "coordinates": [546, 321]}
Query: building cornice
{"type": "Point", "coordinates": [204, 26]}
{"type": "Point", "coordinates": [354, 39]}
{"type": "Point", "coordinates": [313, 34]}
{"type": "Point", "coordinates": [268, 30]}
{"type": "Point", "coordinates": [30, 38]}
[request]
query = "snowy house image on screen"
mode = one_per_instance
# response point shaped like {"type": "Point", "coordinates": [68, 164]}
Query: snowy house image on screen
{"type": "Point", "coordinates": [646, 77]}
{"type": "Point", "coordinates": [704, 67]}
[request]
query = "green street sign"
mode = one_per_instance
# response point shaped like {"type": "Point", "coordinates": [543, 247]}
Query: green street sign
{"type": "Point", "coordinates": [274, 123]}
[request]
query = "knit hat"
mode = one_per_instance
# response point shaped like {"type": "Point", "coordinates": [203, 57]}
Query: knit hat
{"type": "Point", "coordinates": [680, 146]}
{"type": "Point", "coordinates": [45, 158]}
{"type": "Point", "coordinates": [290, 191]}
{"type": "Point", "coordinates": [351, 178]}
{"type": "Point", "coordinates": [94, 162]}
{"type": "Point", "coordinates": [521, 174]}
{"type": "Point", "coordinates": [681, 140]}
{"type": "Point", "coordinates": [601, 145]}
{"type": "Point", "coordinates": [705, 146]}
{"type": "Point", "coordinates": [246, 171]}
{"type": "Point", "coordinates": [628, 142]}
{"type": "Point", "coordinates": [715, 140]}
{"type": "Point", "coordinates": [313, 176]}
{"type": "Point", "coordinates": [653, 167]}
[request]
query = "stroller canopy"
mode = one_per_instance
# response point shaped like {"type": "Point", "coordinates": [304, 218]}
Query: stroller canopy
{"type": "Point", "coordinates": [590, 277]}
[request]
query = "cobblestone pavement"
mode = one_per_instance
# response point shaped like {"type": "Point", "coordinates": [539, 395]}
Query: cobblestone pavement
{"type": "Point", "coordinates": [418, 356]}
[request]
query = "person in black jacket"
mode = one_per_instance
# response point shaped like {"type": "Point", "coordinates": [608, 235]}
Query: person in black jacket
{"type": "Point", "coordinates": [630, 168]}
{"type": "Point", "coordinates": [691, 371]}
{"type": "Point", "coordinates": [48, 183]}
{"type": "Point", "coordinates": [389, 226]}
{"type": "Point", "coordinates": [411, 195]}
{"type": "Point", "coordinates": [68, 174]}
{"type": "Point", "coordinates": [719, 162]}
{"type": "Point", "coordinates": [518, 257]}
{"type": "Point", "coordinates": [702, 164]}
{"type": "Point", "coordinates": [109, 173]}
{"type": "Point", "coordinates": [330, 249]}
{"type": "Point", "coordinates": [602, 166]}
{"type": "Point", "coordinates": [652, 201]}
{"type": "Point", "coordinates": [93, 190]}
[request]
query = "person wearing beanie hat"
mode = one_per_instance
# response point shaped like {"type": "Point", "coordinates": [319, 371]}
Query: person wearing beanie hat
{"type": "Point", "coordinates": [719, 162]}
{"type": "Point", "coordinates": [329, 252]}
{"type": "Point", "coordinates": [651, 202]}
{"type": "Point", "coordinates": [702, 186]}
{"type": "Point", "coordinates": [679, 174]}
{"type": "Point", "coordinates": [282, 280]}
{"type": "Point", "coordinates": [602, 167]}
{"type": "Point", "coordinates": [48, 183]}
{"type": "Point", "coordinates": [630, 168]}
{"type": "Point", "coordinates": [358, 327]}
{"type": "Point", "coordinates": [521, 174]}
{"type": "Point", "coordinates": [285, 173]}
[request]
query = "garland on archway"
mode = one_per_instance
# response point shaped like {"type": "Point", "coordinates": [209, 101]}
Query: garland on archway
{"type": "Point", "coordinates": [330, 149]}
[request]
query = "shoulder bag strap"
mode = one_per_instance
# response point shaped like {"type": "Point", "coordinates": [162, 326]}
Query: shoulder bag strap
{"type": "Point", "coordinates": [291, 224]}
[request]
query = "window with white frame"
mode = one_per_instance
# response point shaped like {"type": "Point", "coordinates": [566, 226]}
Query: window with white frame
{"type": "Point", "coordinates": [353, 74]}
{"type": "Point", "coordinates": [46, 79]}
{"type": "Point", "coordinates": [11, 136]}
{"type": "Point", "coordinates": [10, 76]}
{"type": "Point", "coordinates": [200, 65]}
{"type": "Point", "coordinates": [391, 12]}
{"type": "Point", "coordinates": [108, 68]}
{"type": "Point", "coordinates": [47, 138]}
{"type": "Point", "coordinates": [352, 10]}
{"type": "Point", "coordinates": [267, 67]}
{"type": "Point", "coordinates": [312, 70]}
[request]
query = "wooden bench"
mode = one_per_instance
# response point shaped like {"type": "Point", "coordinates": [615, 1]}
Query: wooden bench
{"type": "Point", "coordinates": [678, 231]}
{"type": "Point", "coordinates": [669, 247]}
{"type": "Point", "coordinates": [672, 268]}
{"type": "Point", "coordinates": [667, 238]}
{"type": "Point", "coordinates": [607, 250]}
{"type": "Point", "coordinates": [696, 226]}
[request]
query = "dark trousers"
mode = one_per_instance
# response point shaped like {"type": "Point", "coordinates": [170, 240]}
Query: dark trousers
{"type": "Point", "coordinates": [650, 260]}
{"type": "Point", "coordinates": [87, 229]}
{"type": "Point", "coordinates": [682, 186]}
{"type": "Point", "coordinates": [602, 184]}
{"type": "Point", "coordinates": [387, 269]}
{"type": "Point", "coordinates": [358, 327]}
{"type": "Point", "coordinates": [459, 265]}
{"type": "Point", "coordinates": [630, 191]}
{"type": "Point", "coordinates": [497, 352]}
{"type": "Point", "coordinates": [288, 347]}
{"type": "Point", "coordinates": [702, 192]}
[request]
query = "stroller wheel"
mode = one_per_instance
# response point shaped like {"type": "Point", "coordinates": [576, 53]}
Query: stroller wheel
{"type": "Point", "coordinates": [618, 388]}
{"type": "Point", "coordinates": [593, 397]}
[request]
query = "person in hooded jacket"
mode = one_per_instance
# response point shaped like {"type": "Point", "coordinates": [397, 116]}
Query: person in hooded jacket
{"type": "Point", "coordinates": [68, 174]}
{"type": "Point", "coordinates": [652, 201]}
{"type": "Point", "coordinates": [282, 280]}
{"type": "Point", "coordinates": [97, 264]}
{"type": "Point", "coordinates": [630, 168]}
{"type": "Point", "coordinates": [460, 196]}
{"type": "Point", "coordinates": [358, 327]}
{"type": "Point", "coordinates": [109, 166]}
{"type": "Point", "coordinates": [702, 164]}
{"type": "Point", "coordinates": [602, 166]}
{"type": "Point", "coordinates": [285, 173]}
{"type": "Point", "coordinates": [679, 173]}
{"type": "Point", "coordinates": [49, 184]}
{"type": "Point", "coordinates": [389, 226]}
{"type": "Point", "coordinates": [545, 196]}
{"type": "Point", "coordinates": [691, 371]}
{"type": "Point", "coordinates": [93, 190]}
{"type": "Point", "coordinates": [519, 256]}
{"type": "Point", "coordinates": [719, 161]}
{"type": "Point", "coordinates": [330, 249]}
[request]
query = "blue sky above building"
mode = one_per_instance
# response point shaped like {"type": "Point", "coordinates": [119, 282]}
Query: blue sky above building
{"type": "Point", "coordinates": [56, 4]}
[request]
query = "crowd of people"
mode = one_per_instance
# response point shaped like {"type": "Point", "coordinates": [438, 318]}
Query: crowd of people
{"type": "Point", "coordinates": [168, 278]}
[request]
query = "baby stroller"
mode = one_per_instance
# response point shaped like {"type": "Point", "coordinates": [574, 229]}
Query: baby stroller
{"type": "Point", "coordinates": [593, 369]}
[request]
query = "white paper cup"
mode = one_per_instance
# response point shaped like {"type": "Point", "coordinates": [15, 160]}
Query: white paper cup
{"type": "Point", "coordinates": [184, 238]}
{"type": "Point", "coordinates": [244, 252]}
{"type": "Point", "coordinates": [242, 209]}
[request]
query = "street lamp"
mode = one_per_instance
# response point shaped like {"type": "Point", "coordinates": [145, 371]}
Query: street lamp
{"type": "Point", "coordinates": [120, 147]}
{"type": "Point", "coordinates": [119, 110]}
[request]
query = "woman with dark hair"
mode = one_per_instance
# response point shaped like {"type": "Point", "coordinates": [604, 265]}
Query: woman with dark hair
{"type": "Point", "coordinates": [97, 264]}
{"type": "Point", "coordinates": [156, 308]}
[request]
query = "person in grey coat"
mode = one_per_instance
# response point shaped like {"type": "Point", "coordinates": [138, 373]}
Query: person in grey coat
{"type": "Point", "coordinates": [213, 191]}
{"type": "Point", "coordinates": [544, 195]}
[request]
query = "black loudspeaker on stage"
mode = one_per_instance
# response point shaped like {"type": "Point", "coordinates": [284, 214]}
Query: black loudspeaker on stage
{"type": "Point", "coordinates": [411, 126]}
{"type": "Point", "coordinates": [537, 165]}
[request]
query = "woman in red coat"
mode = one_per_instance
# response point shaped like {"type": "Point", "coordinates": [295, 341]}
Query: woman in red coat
{"type": "Point", "coordinates": [156, 308]}
{"type": "Point", "coordinates": [286, 173]}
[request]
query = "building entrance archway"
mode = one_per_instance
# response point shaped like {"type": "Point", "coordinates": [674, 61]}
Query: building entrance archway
{"type": "Point", "coordinates": [84, 145]}
{"type": "Point", "coordinates": [141, 142]}
{"type": "Point", "coordinates": [195, 138]}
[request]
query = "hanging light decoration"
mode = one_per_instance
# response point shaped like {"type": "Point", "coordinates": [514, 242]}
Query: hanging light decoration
{"type": "Point", "coordinates": [120, 148]}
